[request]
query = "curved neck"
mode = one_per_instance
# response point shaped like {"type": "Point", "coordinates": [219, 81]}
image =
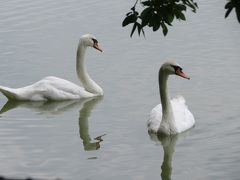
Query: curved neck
{"type": "Point", "coordinates": [84, 114]}
{"type": "Point", "coordinates": [167, 123]}
{"type": "Point", "coordinates": [82, 73]}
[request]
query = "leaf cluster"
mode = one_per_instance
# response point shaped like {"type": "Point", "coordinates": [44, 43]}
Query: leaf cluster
{"type": "Point", "coordinates": [229, 7]}
{"type": "Point", "coordinates": [157, 14]}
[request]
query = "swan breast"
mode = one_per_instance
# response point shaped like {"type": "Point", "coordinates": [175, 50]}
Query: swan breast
{"type": "Point", "coordinates": [183, 118]}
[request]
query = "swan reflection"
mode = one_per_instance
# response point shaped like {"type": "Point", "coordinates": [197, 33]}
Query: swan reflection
{"type": "Point", "coordinates": [168, 143]}
{"type": "Point", "coordinates": [84, 114]}
{"type": "Point", "coordinates": [85, 107]}
{"type": "Point", "coordinates": [44, 107]}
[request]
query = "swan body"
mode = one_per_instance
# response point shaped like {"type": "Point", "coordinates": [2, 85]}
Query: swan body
{"type": "Point", "coordinates": [57, 89]}
{"type": "Point", "coordinates": [171, 116]}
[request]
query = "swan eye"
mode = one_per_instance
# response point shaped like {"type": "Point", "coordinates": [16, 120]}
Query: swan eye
{"type": "Point", "coordinates": [176, 68]}
{"type": "Point", "coordinates": [94, 41]}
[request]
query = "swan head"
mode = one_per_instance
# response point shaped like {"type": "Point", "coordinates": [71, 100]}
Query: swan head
{"type": "Point", "coordinates": [90, 40]}
{"type": "Point", "coordinates": [173, 68]}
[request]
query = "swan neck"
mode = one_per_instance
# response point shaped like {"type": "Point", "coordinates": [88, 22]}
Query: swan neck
{"type": "Point", "coordinates": [88, 84]}
{"type": "Point", "coordinates": [167, 125]}
{"type": "Point", "coordinates": [165, 100]}
{"type": "Point", "coordinates": [81, 69]}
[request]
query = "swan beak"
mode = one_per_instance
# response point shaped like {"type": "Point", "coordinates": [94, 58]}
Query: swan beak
{"type": "Point", "coordinates": [179, 72]}
{"type": "Point", "coordinates": [96, 46]}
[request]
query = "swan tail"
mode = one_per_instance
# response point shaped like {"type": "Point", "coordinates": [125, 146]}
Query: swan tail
{"type": "Point", "coordinates": [8, 92]}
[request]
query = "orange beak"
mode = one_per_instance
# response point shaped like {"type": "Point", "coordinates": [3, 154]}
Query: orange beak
{"type": "Point", "coordinates": [96, 46]}
{"type": "Point", "coordinates": [182, 74]}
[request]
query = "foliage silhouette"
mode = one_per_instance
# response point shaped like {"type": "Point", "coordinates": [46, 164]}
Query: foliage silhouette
{"type": "Point", "coordinates": [159, 14]}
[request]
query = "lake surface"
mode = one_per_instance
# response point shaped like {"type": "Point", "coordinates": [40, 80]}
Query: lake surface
{"type": "Point", "coordinates": [57, 140]}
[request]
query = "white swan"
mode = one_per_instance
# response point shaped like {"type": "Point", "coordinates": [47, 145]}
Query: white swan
{"type": "Point", "coordinates": [170, 117]}
{"type": "Point", "coordinates": [54, 88]}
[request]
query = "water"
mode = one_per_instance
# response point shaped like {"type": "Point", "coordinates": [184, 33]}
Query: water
{"type": "Point", "coordinates": [50, 140]}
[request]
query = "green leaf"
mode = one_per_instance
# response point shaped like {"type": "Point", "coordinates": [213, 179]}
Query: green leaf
{"type": "Point", "coordinates": [164, 29]}
{"type": "Point", "coordinates": [156, 26]}
{"type": "Point", "coordinates": [146, 3]}
{"type": "Point", "coordinates": [228, 5]}
{"type": "Point", "coordinates": [169, 19]}
{"type": "Point", "coordinates": [145, 21]}
{"type": "Point", "coordinates": [145, 16]}
{"type": "Point", "coordinates": [182, 16]}
{"type": "Point", "coordinates": [133, 29]}
{"type": "Point", "coordinates": [143, 32]}
{"type": "Point", "coordinates": [139, 30]}
{"type": "Point", "coordinates": [146, 12]}
{"type": "Point", "coordinates": [196, 5]}
{"type": "Point", "coordinates": [128, 13]}
{"type": "Point", "coordinates": [228, 12]}
{"type": "Point", "coordinates": [129, 19]}
{"type": "Point", "coordinates": [192, 5]}
{"type": "Point", "coordinates": [181, 7]}
{"type": "Point", "coordinates": [151, 22]}
{"type": "Point", "coordinates": [156, 22]}
{"type": "Point", "coordinates": [238, 12]}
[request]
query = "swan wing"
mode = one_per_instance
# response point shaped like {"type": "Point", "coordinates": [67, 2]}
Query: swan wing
{"type": "Point", "coordinates": [183, 117]}
{"type": "Point", "coordinates": [155, 119]}
{"type": "Point", "coordinates": [49, 88]}
{"type": "Point", "coordinates": [54, 88]}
